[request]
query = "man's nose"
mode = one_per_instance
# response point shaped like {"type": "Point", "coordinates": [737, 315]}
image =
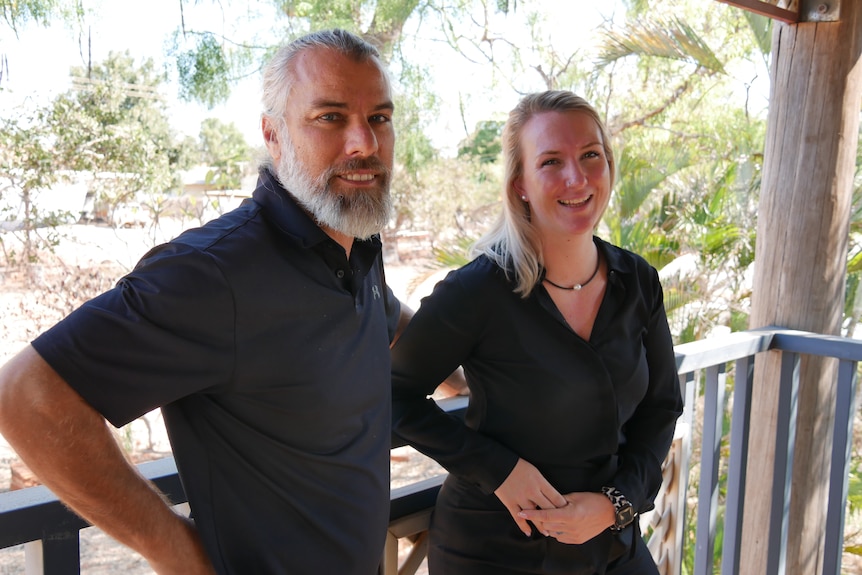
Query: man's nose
{"type": "Point", "coordinates": [361, 140]}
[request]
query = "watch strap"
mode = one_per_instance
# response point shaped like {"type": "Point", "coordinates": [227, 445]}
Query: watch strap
{"type": "Point", "coordinates": [624, 513]}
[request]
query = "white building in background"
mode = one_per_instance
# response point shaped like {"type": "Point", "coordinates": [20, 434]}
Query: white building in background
{"type": "Point", "coordinates": [62, 203]}
{"type": "Point", "coordinates": [73, 200]}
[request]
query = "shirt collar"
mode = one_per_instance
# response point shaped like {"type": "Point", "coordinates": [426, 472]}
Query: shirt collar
{"type": "Point", "coordinates": [614, 257]}
{"type": "Point", "coordinates": [283, 211]}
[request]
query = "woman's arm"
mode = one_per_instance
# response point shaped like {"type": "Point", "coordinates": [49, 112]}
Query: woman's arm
{"type": "Point", "coordinates": [442, 336]}
{"type": "Point", "coordinates": [649, 432]}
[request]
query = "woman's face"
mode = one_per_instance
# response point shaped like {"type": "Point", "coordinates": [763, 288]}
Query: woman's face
{"type": "Point", "coordinates": [566, 177]}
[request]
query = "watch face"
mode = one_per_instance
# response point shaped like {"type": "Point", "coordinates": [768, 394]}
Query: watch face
{"type": "Point", "coordinates": [625, 515]}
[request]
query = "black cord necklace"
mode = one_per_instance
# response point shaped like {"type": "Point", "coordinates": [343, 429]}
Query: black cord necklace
{"type": "Point", "coordinates": [576, 287]}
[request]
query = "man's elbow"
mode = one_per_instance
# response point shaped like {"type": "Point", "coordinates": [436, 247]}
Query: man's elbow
{"type": "Point", "coordinates": [32, 393]}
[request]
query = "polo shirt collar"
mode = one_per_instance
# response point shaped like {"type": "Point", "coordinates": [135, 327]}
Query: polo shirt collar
{"type": "Point", "coordinates": [283, 211]}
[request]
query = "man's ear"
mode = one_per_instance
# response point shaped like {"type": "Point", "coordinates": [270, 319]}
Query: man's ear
{"type": "Point", "coordinates": [270, 138]}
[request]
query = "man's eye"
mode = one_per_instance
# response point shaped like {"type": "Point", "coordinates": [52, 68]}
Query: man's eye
{"type": "Point", "coordinates": [380, 119]}
{"type": "Point", "coordinates": [329, 117]}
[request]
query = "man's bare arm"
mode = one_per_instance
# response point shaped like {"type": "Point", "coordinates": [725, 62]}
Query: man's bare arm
{"type": "Point", "coordinates": [70, 448]}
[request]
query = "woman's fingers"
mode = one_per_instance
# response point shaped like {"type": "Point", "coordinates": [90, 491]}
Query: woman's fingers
{"type": "Point", "coordinates": [526, 488]}
{"type": "Point", "coordinates": [585, 516]}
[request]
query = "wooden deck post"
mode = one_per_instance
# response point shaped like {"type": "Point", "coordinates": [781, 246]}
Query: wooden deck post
{"type": "Point", "coordinates": [801, 261]}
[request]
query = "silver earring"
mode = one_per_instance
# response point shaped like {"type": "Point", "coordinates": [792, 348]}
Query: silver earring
{"type": "Point", "coordinates": [524, 198]}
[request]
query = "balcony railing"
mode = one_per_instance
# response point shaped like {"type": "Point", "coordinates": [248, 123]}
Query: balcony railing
{"type": "Point", "coordinates": [50, 532]}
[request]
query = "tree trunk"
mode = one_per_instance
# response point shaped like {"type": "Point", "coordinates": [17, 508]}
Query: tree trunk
{"type": "Point", "coordinates": [801, 259]}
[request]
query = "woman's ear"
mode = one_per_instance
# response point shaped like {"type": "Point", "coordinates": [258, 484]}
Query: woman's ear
{"type": "Point", "coordinates": [518, 186]}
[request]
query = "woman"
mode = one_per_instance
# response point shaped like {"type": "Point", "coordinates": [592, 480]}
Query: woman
{"type": "Point", "coordinates": [566, 348]}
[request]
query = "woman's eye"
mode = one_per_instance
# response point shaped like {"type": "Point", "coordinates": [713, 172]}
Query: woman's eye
{"type": "Point", "coordinates": [550, 162]}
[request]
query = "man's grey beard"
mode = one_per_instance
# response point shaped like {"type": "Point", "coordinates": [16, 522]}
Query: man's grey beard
{"type": "Point", "coordinates": [359, 214]}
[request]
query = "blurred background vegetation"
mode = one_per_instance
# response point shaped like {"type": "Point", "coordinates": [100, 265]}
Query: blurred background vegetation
{"type": "Point", "coordinates": [683, 85]}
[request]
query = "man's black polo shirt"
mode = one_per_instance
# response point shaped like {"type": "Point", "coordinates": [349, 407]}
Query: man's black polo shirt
{"type": "Point", "coordinates": [269, 353]}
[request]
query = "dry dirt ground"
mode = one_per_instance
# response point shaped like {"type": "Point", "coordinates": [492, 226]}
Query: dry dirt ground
{"type": "Point", "coordinates": [87, 260]}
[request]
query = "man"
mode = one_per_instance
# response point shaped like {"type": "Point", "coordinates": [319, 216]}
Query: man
{"type": "Point", "coordinates": [264, 336]}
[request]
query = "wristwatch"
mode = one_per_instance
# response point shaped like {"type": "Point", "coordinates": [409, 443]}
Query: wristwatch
{"type": "Point", "coordinates": [624, 513]}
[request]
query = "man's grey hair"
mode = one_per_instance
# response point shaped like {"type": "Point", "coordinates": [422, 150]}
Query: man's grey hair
{"type": "Point", "coordinates": [278, 75]}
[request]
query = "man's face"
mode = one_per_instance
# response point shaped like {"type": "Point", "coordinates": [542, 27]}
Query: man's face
{"type": "Point", "coordinates": [334, 152]}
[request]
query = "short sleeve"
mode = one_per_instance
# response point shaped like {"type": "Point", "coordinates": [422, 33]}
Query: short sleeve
{"type": "Point", "coordinates": [166, 330]}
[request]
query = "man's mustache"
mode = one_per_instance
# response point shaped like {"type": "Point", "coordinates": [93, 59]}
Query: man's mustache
{"type": "Point", "coordinates": [372, 164]}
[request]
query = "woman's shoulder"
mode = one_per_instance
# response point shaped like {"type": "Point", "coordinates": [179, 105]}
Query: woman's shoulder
{"type": "Point", "coordinates": [632, 270]}
{"type": "Point", "coordinates": [478, 282]}
{"type": "Point", "coordinates": [480, 273]}
{"type": "Point", "coordinates": [623, 260]}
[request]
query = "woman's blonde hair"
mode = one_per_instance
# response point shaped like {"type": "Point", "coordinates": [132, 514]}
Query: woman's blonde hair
{"type": "Point", "coordinates": [513, 242]}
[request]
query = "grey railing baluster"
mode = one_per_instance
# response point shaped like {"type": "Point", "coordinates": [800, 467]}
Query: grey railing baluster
{"type": "Point", "coordinates": [707, 506]}
{"type": "Point", "coordinates": [842, 444]}
{"type": "Point", "coordinates": [740, 425]}
{"type": "Point", "coordinates": [785, 440]}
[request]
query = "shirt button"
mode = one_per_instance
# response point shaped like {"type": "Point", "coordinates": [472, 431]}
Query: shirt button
{"type": "Point", "coordinates": [339, 274]}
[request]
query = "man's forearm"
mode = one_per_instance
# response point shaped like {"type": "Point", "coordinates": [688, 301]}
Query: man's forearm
{"type": "Point", "coordinates": [70, 448]}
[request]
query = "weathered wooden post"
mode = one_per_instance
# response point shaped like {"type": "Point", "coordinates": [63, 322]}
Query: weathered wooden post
{"type": "Point", "coordinates": [801, 254]}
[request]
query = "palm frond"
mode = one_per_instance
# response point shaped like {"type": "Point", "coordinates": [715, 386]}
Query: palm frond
{"type": "Point", "coordinates": [672, 39]}
{"type": "Point", "coordinates": [761, 29]}
{"type": "Point", "coordinates": [640, 177]}
{"type": "Point", "coordinates": [854, 264]}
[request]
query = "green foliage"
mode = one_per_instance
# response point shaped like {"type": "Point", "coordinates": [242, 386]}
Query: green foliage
{"type": "Point", "coordinates": [204, 72]}
{"type": "Point", "coordinates": [854, 493]}
{"type": "Point", "coordinates": [761, 28]}
{"type": "Point", "coordinates": [505, 5]}
{"type": "Point", "coordinates": [672, 39]}
{"type": "Point", "coordinates": [854, 504]}
{"type": "Point", "coordinates": [852, 293]}
{"type": "Point", "coordinates": [26, 159]}
{"type": "Point", "coordinates": [415, 107]}
{"type": "Point", "coordinates": [28, 165]}
{"type": "Point", "coordinates": [16, 13]}
{"type": "Point", "coordinates": [225, 150]}
{"type": "Point", "coordinates": [112, 124]}
{"type": "Point", "coordinates": [689, 155]}
{"type": "Point", "coordinates": [336, 13]}
{"type": "Point", "coordinates": [209, 64]}
{"type": "Point", "coordinates": [449, 198]}
{"type": "Point", "coordinates": [207, 69]}
{"type": "Point", "coordinates": [454, 254]}
{"type": "Point", "coordinates": [114, 121]}
{"type": "Point", "coordinates": [636, 7]}
{"type": "Point", "coordinates": [484, 144]}
{"type": "Point", "coordinates": [637, 217]}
